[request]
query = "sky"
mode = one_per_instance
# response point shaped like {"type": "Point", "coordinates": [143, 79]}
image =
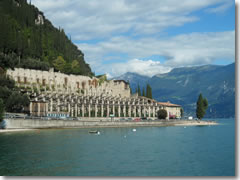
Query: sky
{"type": "Point", "coordinates": [147, 37]}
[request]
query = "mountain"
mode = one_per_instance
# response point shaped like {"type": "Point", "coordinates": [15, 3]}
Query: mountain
{"type": "Point", "coordinates": [29, 40]}
{"type": "Point", "coordinates": [134, 79]}
{"type": "Point", "coordinates": [183, 86]}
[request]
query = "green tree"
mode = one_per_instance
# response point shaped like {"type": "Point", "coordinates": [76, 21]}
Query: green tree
{"type": "Point", "coordinates": [182, 112]}
{"type": "Point", "coordinates": [75, 67]}
{"type": "Point", "coordinates": [149, 91]}
{"type": "Point", "coordinates": [16, 102]}
{"type": "Point", "coordinates": [162, 114]}
{"type": "Point", "coordinates": [1, 110]}
{"type": "Point", "coordinates": [139, 91]}
{"type": "Point", "coordinates": [143, 92]}
{"type": "Point", "coordinates": [202, 105]}
{"type": "Point", "coordinates": [205, 103]}
{"type": "Point", "coordinates": [59, 63]}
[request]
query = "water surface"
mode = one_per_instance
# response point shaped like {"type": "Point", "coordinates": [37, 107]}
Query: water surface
{"type": "Point", "coordinates": [150, 151]}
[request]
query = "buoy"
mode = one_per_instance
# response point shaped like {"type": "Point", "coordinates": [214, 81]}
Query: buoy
{"type": "Point", "coordinates": [134, 130]}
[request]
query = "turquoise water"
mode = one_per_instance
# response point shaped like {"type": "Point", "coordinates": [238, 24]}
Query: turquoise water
{"type": "Point", "coordinates": [150, 151]}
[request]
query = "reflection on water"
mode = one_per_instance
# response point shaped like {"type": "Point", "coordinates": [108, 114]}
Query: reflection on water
{"type": "Point", "coordinates": [148, 151]}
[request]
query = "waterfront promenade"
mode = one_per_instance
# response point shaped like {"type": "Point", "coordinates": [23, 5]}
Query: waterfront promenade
{"type": "Point", "coordinates": [21, 124]}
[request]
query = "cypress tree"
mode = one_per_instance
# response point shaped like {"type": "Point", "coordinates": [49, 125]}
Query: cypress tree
{"type": "Point", "coordinates": [143, 92]}
{"type": "Point", "coordinates": [202, 105]}
{"type": "Point", "coordinates": [205, 105]}
{"type": "Point", "coordinates": [147, 91]}
{"type": "Point", "coordinates": [150, 92]}
{"type": "Point", "coordinates": [138, 91]}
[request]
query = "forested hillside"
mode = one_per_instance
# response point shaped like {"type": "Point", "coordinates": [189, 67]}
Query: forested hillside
{"type": "Point", "coordinates": [29, 40]}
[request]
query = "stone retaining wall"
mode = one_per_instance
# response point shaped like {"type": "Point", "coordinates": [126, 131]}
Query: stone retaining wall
{"type": "Point", "coordinates": [39, 123]}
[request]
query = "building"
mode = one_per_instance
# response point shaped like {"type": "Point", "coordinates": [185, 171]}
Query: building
{"type": "Point", "coordinates": [54, 94]}
{"type": "Point", "coordinates": [173, 110]}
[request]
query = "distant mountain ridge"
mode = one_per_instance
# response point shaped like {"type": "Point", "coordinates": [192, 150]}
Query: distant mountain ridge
{"type": "Point", "coordinates": [183, 85]}
{"type": "Point", "coordinates": [134, 79]}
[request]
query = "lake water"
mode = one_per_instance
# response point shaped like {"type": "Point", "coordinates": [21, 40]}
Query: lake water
{"type": "Point", "coordinates": [150, 151]}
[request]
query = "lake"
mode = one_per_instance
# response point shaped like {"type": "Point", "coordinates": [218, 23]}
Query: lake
{"type": "Point", "coordinates": [149, 151]}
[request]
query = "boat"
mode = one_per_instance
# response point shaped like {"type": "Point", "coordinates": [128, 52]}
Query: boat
{"type": "Point", "coordinates": [94, 132]}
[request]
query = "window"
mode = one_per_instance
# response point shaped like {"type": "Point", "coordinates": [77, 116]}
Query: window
{"type": "Point", "coordinates": [18, 79]}
{"type": "Point", "coordinates": [44, 82]}
{"type": "Point", "coordinates": [83, 84]}
{"type": "Point", "coordinates": [78, 85]}
{"type": "Point", "coordinates": [65, 81]}
{"type": "Point", "coordinates": [25, 80]}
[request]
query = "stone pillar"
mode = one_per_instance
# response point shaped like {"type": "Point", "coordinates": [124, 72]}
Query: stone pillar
{"type": "Point", "coordinates": [39, 106]}
{"type": "Point", "coordinates": [149, 111]}
{"type": "Point", "coordinates": [51, 105]}
{"type": "Point", "coordinates": [107, 108]}
{"type": "Point", "coordinates": [134, 111]}
{"type": "Point", "coordinates": [96, 110]}
{"type": "Point", "coordinates": [139, 110]}
{"type": "Point", "coordinates": [154, 111]}
{"type": "Point", "coordinates": [102, 110]}
{"type": "Point", "coordinates": [129, 111]}
{"type": "Point", "coordinates": [113, 108]}
{"type": "Point", "coordinates": [76, 110]}
{"type": "Point", "coordinates": [69, 108]}
{"type": "Point", "coordinates": [46, 108]}
{"type": "Point", "coordinates": [79, 111]}
{"type": "Point", "coordinates": [89, 110]}
{"type": "Point", "coordinates": [72, 109]}
{"type": "Point", "coordinates": [30, 107]}
{"type": "Point", "coordinates": [119, 110]}
{"type": "Point", "coordinates": [83, 110]}
{"type": "Point", "coordinates": [124, 110]}
{"type": "Point", "coordinates": [58, 105]}
{"type": "Point", "coordinates": [144, 111]}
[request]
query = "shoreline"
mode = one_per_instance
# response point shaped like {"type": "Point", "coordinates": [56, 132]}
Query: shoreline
{"type": "Point", "coordinates": [116, 124]}
{"type": "Point", "coordinates": [15, 130]}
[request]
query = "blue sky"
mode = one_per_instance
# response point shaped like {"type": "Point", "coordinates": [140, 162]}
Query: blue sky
{"type": "Point", "coordinates": [146, 37]}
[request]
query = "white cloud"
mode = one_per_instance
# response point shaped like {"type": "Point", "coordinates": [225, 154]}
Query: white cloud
{"type": "Point", "coordinates": [86, 20]}
{"type": "Point", "coordinates": [116, 24]}
{"type": "Point", "coordinates": [181, 50]}
{"type": "Point", "coordinates": [221, 8]}
{"type": "Point", "coordinates": [143, 67]}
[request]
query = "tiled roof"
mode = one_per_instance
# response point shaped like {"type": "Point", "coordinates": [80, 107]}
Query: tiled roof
{"type": "Point", "coordinates": [168, 104]}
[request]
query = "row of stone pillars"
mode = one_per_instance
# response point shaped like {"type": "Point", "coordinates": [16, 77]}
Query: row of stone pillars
{"type": "Point", "coordinates": [106, 111]}
{"type": "Point", "coordinates": [79, 106]}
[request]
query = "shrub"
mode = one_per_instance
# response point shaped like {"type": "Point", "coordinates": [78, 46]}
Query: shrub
{"type": "Point", "coordinates": [1, 110]}
{"type": "Point", "coordinates": [162, 114]}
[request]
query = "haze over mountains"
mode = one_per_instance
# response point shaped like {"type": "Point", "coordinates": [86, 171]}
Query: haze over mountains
{"type": "Point", "coordinates": [183, 85]}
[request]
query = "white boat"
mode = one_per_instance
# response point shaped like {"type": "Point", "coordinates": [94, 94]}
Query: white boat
{"type": "Point", "coordinates": [94, 132]}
